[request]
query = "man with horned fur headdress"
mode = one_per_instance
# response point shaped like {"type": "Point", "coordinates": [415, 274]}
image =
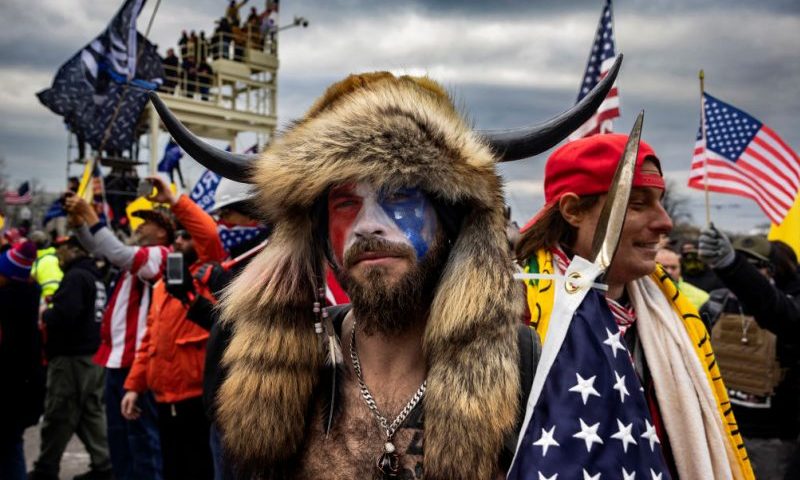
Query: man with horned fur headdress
{"type": "Point", "coordinates": [385, 182]}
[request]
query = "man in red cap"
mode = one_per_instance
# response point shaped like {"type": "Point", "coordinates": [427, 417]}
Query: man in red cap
{"type": "Point", "coordinates": [656, 325]}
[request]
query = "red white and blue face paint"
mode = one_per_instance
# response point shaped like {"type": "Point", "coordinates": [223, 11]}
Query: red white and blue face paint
{"type": "Point", "coordinates": [404, 216]}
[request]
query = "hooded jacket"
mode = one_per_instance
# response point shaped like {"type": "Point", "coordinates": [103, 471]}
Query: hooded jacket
{"type": "Point", "coordinates": [391, 132]}
{"type": "Point", "coordinates": [73, 321]}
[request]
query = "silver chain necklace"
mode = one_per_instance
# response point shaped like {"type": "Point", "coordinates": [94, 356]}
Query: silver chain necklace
{"type": "Point", "coordinates": [388, 464]}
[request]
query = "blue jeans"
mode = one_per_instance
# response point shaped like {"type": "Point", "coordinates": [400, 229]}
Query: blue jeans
{"type": "Point", "coordinates": [12, 457]}
{"type": "Point", "coordinates": [134, 445]}
{"type": "Point", "coordinates": [222, 467]}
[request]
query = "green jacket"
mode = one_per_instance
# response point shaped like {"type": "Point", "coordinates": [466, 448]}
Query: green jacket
{"type": "Point", "coordinates": [46, 272]}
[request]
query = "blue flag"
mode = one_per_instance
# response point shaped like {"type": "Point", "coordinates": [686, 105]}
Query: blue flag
{"type": "Point", "coordinates": [204, 190]}
{"type": "Point", "coordinates": [591, 419]}
{"type": "Point", "coordinates": [89, 87]}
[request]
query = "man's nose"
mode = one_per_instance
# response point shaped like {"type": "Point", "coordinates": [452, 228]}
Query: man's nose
{"type": "Point", "coordinates": [661, 221]}
{"type": "Point", "coordinates": [371, 221]}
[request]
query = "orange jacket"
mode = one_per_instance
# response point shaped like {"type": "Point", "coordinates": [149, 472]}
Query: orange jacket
{"type": "Point", "coordinates": [170, 359]}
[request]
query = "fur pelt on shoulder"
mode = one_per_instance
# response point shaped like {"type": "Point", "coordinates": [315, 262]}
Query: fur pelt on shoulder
{"type": "Point", "coordinates": [392, 132]}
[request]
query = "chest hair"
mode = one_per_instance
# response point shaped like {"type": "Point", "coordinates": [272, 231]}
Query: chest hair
{"type": "Point", "coordinates": [355, 441]}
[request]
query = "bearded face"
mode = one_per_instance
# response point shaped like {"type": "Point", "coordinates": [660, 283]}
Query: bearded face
{"type": "Point", "coordinates": [389, 249]}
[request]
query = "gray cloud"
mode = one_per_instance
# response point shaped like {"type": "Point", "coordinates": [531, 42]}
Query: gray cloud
{"type": "Point", "coordinates": [508, 63]}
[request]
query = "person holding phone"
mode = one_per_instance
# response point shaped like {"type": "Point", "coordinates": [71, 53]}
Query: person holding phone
{"type": "Point", "coordinates": [169, 361]}
{"type": "Point", "coordinates": [133, 445]}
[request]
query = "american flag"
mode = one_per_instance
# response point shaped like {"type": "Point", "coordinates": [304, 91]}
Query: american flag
{"type": "Point", "coordinates": [742, 156]}
{"type": "Point", "coordinates": [591, 420]}
{"type": "Point", "coordinates": [237, 234]}
{"type": "Point", "coordinates": [21, 196]}
{"type": "Point", "coordinates": [600, 61]}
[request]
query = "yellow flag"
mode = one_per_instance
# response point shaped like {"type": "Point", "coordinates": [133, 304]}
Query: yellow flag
{"type": "Point", "coordinates": [2, 222]}
{"type": "Point", "coordinates": [788, 231]}
{"type": "Point", "coordinates": [140, 203]}
{"type": "Point", "coordinates": [85, 190]}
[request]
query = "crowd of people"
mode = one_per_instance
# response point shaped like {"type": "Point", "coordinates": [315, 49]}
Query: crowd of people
{"type": "Point", "coordinates": [191, 72]}
{"type": "Point", "coordinates": [138, 416]}
{"type": "Point", "coordinates": [236, 365]}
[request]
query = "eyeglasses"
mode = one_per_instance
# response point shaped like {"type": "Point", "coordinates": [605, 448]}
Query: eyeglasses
{"type": "Point", "coordinates": [183, 234]}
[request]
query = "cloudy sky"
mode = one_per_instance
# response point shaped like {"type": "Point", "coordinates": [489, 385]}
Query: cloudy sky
{"type": "Point", "coordinates": [508, 63]}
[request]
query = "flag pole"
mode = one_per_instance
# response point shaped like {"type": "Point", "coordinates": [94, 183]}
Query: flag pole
{"type": "Point", "coordinates": [705, 155]}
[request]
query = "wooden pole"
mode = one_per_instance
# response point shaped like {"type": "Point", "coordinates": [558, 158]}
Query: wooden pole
{"type": "Point", "coordinates": [705, 155]}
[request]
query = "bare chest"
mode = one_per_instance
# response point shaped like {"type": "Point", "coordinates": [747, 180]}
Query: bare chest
{"type": "Point", "coordinates": [354, 444]}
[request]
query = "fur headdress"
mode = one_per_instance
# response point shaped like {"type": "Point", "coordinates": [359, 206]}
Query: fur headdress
{"type": "Point", "coordinates": [391, 132]}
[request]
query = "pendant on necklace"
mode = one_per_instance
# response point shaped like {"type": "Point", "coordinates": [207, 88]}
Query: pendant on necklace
{"type": "Point", "coordinates": [745, 341]}
{"type": "Point", "coordinates": [388, 465]}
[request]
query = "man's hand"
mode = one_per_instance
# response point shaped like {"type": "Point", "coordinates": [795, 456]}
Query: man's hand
{"type": "Point", "coordinates": [79, 210]}
{"type": "Point", "coordinates": [129, 408]}
{"type": "Point", "coordinates": [163, 193]}
{"type": "Point", "coordinates": [714, 248]}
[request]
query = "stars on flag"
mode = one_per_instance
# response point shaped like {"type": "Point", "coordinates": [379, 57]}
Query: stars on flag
{"type": "Point", "coordinates": [591, 419]}
{"type": "Point", "coordinates": [614, 342]}
{"type": "Point", "coordinates": [546, 440]}
{"type": "Point", "coordinates": [588, 476]}
{"type": "Point", "coordinates": [628, 476]}
{"type": "Point", "coordinates": [624, 435]}
{"type": "Point", "coordinates": [585, 387]}
{"type": "Point", "coordinates": [620, 386]}
{"type": "Point", "coordinates": [650, 435]}
{"type": "Point", "coordinates": [589, 434]}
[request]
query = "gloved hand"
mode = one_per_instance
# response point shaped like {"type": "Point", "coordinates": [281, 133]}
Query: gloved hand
{"type": "Point", "coordinates": [714, 248]}
{"type": "Point", "coordinates": [185, 291]}
{"type": "Point", "coordinates": [213, 276]}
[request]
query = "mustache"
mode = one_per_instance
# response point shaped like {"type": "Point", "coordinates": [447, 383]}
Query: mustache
{"type": "Point", "coordinates": [374, 244]}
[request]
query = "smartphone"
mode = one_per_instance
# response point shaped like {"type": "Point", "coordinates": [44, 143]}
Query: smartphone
{"type": "Point", "coordinates": [145, 188]}
{"type": "Point", "coordinates": [174, 268]}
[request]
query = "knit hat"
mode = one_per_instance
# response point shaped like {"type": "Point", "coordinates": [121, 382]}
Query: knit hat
{"type": "Point", "coordinates": [16, 262]}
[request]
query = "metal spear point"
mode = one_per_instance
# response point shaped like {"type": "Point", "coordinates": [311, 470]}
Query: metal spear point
{"type": "Point", "coordinates": [612, 216]}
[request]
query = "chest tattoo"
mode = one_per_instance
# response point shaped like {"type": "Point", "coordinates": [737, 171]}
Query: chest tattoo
{"type": "Point", "coordinates": [355, 442]}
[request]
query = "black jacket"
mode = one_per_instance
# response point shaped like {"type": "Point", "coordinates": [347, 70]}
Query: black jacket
{"type": "Point", "coordinates": [73, 322]}
{"type": "Point", "coordinates": [779, 312]}
{"type": "Point", "coordinates": [22, 375]}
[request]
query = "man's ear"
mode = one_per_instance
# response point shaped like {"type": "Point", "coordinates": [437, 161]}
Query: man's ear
{"type": "Point", "coordinates": [568, 206]}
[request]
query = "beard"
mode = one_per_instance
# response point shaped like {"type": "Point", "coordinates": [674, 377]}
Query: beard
{"type": "Point", "coordinates": [390, 307]}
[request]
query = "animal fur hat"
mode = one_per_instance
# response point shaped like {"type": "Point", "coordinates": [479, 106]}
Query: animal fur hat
{"type": "Point", "coordinates": [391, 132]}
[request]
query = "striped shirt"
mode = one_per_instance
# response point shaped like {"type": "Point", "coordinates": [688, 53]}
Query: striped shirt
{"type": "Point", "coordinates": [125, 319]}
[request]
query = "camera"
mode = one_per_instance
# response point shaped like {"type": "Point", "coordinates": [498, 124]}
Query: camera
{"type": "Point", "coordinates": [145, 188]}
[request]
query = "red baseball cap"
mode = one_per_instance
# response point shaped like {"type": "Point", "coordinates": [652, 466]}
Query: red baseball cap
{"type": "Point", "coordinates": [586, 167]}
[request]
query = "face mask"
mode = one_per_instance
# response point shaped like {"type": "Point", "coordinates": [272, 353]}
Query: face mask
{"type": "Point", "coordinates": [691, 264]}
{"type": "Point", "coordinates": [233, 236]}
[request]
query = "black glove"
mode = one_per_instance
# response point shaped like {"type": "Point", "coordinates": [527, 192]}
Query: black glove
{"type": "Point", "coordinates": [185, 291]}
{"type": "Point", "coordinates": [215, 277]}
{"type": "Point", "coordinates": [714, 248]}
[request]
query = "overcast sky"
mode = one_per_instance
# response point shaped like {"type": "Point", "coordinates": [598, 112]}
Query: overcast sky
{"type": "Point", "coordinates": [508, 63]}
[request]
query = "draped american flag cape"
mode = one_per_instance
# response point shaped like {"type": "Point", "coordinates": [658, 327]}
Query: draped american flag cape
{"type": "Point", "coordinates": [742, 156]}
{"type": "Point", "coordinates": [600, 61]}
{"type": "Point", "coordinates": [591, 419]}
